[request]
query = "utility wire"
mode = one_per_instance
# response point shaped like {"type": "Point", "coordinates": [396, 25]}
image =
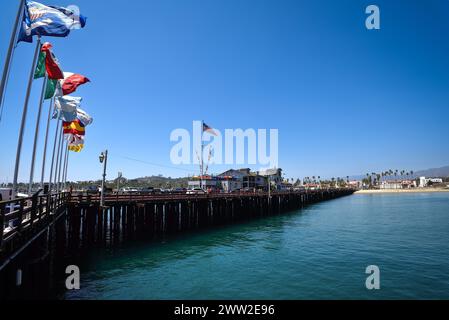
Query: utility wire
{"type": "Point", "coordinates": [156, 164]}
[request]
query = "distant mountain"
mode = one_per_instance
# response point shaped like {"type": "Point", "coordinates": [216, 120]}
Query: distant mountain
{"type": "Point", "coordinates": [432, 173]}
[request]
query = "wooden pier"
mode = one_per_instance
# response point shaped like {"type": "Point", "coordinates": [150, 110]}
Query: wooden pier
{"type": "Point", "coordinates": [41, 235]}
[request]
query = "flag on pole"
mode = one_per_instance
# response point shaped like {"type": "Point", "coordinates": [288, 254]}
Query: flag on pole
{"type": "Point", "coordinates": [76, 148]}
{"type": "Point", "coordinates": [51, 88]}
{"type": "Point", "coordinates": [84, 117]}
{"type": "Point", "coordinates": [76, 142]}
{"type": "Point", "coordinates": [74, 127]}
{"type": "Point", "coordinates": [209, 129]}
{"type": "Point", "coordinates": [53, 21]}
{"type": "Point", "coordinates": [67, 106]}
{"type": "Point", "coordinates": [40, 68]}
{"type": "Point", "coordinates": [70, 83]}
{"type": "Point", "coordinates": [51, 63]}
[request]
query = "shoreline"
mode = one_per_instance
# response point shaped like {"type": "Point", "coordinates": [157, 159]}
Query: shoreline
{"type": "Point", "coordinates": [417, 190]}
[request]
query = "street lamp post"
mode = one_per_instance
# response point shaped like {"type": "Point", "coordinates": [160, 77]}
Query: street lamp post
{"type": "Point", "coordinates": [119, 176]}
{"type": "Point", "coordinates": [104, 160]}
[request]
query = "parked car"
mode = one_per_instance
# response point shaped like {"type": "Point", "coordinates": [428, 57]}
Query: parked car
{"type": "Point", "coordinates": [128, 190]}
{"type": "Point", "coordinates": [148, 190]}
{"type": "Point", "coordinates": [178, 190]}
{"type": "Point", "coordinates": [108, 190]}
{"type": "Point", "coordinates": [92, 189]}
{"type": "Point", "coordinates": [195, 191]}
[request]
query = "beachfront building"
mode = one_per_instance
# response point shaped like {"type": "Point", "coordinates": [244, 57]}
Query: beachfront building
{"type": "Point", "coordinates": [423, 181]}
{"type": "Point", "coordinates": [355, 184]}
{"type": "Point", "coordinates": [391, 184]}
{"type": "Point", "coordinates": [397, 184]}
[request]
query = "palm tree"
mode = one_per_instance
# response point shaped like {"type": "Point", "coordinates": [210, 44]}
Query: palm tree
{"type": "Point", "coordinates": [378, 178]}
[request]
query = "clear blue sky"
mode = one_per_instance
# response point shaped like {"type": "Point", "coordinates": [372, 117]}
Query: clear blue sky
{"type": "Point", "coordinates": [345, 100]}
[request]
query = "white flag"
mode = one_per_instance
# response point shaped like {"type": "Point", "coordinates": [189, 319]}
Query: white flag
{"type": "Point", "coordinates": [84, 117]}
{"type": "Point", "coordinates": [67, 106]}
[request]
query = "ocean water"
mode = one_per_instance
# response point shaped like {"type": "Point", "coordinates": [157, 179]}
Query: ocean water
{"type": "Point", "coordinates": [319, 252]}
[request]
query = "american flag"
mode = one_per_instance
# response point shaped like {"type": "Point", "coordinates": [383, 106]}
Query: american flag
{"type": "Point", "coordinates": [209, 129]}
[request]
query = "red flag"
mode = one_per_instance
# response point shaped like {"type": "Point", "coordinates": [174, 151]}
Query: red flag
{"type": "Point", "coordinates": [74, 127]}
{"type": "Point", "coordinates": [71, 82]}
{"type": "Point", "coordinates": [51, 64]}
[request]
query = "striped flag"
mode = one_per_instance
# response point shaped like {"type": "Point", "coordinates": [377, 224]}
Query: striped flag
{"type": "Point", "coordinates": [74, 127]}
{"type": "Point", "coordinates": [209, 129]}
{"type": "Point", "coordinates": [50, 21]}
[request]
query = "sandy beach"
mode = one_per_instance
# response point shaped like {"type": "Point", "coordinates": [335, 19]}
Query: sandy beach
{"type": "Point", "coordinates": [417, 190]}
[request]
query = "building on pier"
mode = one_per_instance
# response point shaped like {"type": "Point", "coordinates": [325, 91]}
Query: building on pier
{"type": "Point", "coordinates": [241, 179]}
{"type": "Point", "coordinates": [274, 176]}
{"type": "Point", "coordinates": [206, 182]}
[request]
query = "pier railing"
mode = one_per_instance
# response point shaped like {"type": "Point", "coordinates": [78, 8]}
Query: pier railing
{"type": "Point", "coordinates": [22, 218]}
{"type": "Point", "coordinates": [142, 197]}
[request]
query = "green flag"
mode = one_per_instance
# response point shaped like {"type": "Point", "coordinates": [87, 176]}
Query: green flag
{"type": "Point", "coordinates": [50, 89]}
{"type": "Point", "coordinates": [40, 69]}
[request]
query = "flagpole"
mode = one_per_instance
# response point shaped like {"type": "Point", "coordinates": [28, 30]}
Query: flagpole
{"type": "Point", "coordinates": [45, 144]}
{"type": "Point", "coordinates": [66, 166]}
{"type": "Point", "coordinates": [36, 135]}
{"type": "Point", "coordinates": [57, 160]}
{"type": "Point", "coordinates": [60, 162]}
{"type": "Point", "coordinates": [58, 122]}
{"type": "Point", "coordinates": [24, 115]}
{"type": "Point", "coordinates": [62, 170]}
{"type": "Point", "coordinates": [10, 54]}
{"type": "Point", "coordinates": [64, 177]}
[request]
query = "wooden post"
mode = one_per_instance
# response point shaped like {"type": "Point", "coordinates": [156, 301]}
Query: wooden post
{"type": "Point", "coordinates": [2, 221]}
{"type": "Point", "coordinates": [20, 215]}
{"type": "Point", "coordinates": [33, 209]}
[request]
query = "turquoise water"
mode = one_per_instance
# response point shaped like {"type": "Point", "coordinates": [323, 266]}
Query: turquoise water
{"type": "Point", "coordinates": [320, 252]}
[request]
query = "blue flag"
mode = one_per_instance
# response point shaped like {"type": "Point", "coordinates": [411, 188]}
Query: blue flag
{"type": "Point", "coordinates": [50, 21]}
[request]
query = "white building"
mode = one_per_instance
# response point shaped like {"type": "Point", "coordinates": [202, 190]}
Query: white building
{"type": "Point", "coordinates": [423, 181]}
{"type": "Point", "coordinates": [398, 184]}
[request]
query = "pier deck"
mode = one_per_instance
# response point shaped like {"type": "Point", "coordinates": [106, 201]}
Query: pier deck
{"type": "Point", "coordinates": [38, 231]}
